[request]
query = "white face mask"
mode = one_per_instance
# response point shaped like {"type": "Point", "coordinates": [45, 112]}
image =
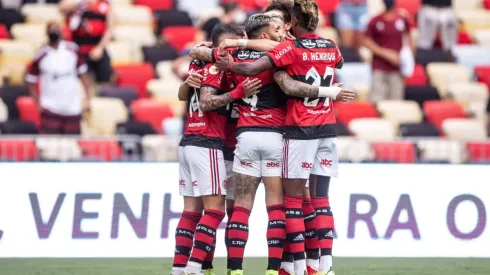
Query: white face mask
{"type": "Point", "coordinates": [239, 17]}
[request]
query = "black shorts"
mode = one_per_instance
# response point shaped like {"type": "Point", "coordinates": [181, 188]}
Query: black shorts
{"type": "Point", "coordinates": [100, 69]}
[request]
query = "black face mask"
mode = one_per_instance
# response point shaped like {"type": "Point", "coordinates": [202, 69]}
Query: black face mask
{"type": "Point", "coordinates": [54, 37]}
{"type": "Point", "coordinates": [389, 4]}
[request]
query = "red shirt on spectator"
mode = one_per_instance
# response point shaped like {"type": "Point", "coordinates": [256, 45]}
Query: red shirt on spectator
{"type": "Point", "coordinates": [387, 31]}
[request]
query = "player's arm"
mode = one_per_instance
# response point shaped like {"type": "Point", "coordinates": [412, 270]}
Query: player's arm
{"type": "Point", "coordinates": [296, 88]}
{"type": "Point", "coordinates": [201, 53]}
{"type": "Point", "coordinates": [262, 45]}
{"type": "Point", "coordinates": [191, 82]}
{"type": "Point", "coordinates": [340, 64]}
{"type": "Point", "coordinates": [225, 63]}
{"type": "Point", "coordinates": [211, 101]}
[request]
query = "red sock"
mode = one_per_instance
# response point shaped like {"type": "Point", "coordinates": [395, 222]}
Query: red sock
{"type": "Point", "coordinates": [311, 240]}
{"type": "Point", "coordinates": [205, 236]}
{"type": "Point", "coordinates": [229, 213]}
{"type": "Point", "coordinates": [276, 235]}
{"type": "Point", "coordinates": [238, 236]}
{"type": "Point", "coordinates": [295, 226]}
{"type": "Point", "coordinates": [184, 234]}
{"type": "Point", "coordinates": [325, 223]}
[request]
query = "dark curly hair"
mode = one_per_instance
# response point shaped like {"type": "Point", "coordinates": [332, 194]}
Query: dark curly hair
{"type": "Point", "coordinates": [284, 8]}
{"type": "Point", "coordinates": [306, 11]}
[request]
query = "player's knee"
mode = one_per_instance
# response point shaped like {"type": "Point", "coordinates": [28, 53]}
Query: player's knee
{"type": "Point", "coordinates": [214, 202]}
{"type": "Point", "coordinates": [193, 205]}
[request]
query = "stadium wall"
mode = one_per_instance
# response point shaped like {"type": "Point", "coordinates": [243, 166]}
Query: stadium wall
{"type": "Point", "coordinates": [131, 210]}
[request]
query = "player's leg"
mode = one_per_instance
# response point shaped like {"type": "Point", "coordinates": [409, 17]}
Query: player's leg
{"type": "Point", "coordinates": [297, 164]}
{"type": "Point", "coordinates": [325, 166]}
{"type": "Point", "coordinates": [271, 164]}
{"type": "Point", "coordinates": [184, 233]}
{"type": "Point", "coordinates": [311, 239]}
{"type": "Point", "coordinates": [209, 181]}
{"type": "Point", "coordinates": [246, 179]}
{"type": "Point", "coordinates": [230, 202]}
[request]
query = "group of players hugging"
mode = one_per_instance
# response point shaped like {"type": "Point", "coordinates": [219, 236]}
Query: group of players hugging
{"type": "Point", "coordinates": [260, 109]}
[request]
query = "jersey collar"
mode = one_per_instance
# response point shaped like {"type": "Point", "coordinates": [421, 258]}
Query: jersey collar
{"type": "Point", "coordinates": [309, 35]}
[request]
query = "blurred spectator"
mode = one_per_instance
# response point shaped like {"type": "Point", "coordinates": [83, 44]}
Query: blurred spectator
{"type": "Point", "coordinates": [351, 20]}
{"type": "Point", "coordinates": [437, 15]}
{"type": "Point", "coordinates": [57, 67]}
{"type": "Point", "coordinates": [91, 24]}
{"type": "Point", "coordinates": [232, 14]}
{"type": "Point", "coordinates": [384, 37]}
{"type": "Point", "coordinates": [40, 2]}
{"type": "Point", "coordinates": [194, 7]}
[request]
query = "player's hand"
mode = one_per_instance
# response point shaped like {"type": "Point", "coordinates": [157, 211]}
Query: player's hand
{"type": "Point", "coordinates": [345, 95]}
{"type": "Point", "coordinates": [228, 43]}
{"type": "Point", "coordinates": [224, 61]}
{"type": "Point", "coordinates": [194, 80]}
{"type": "Point", "coordinates": [252, 87]}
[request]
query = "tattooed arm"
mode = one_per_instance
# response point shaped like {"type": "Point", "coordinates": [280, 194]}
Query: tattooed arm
{"type": "Point", "coordinates": [201, 53]}
{"type": "Point", "coordinates": [262, 64]}
{"type": "Point", "coordinates": [293, 87]}
{"type": "Point", "coordinates": [210, 100]}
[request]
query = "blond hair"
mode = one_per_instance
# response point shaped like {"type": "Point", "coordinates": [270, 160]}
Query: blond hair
{"type": "Point", "coordinates": [307, 12]}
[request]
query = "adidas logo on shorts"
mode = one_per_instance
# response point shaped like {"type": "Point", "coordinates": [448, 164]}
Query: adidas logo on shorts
{"type": "Point", "coordinates": [299, 238]}
{"type": "Point", "coordinates": [330, 234]}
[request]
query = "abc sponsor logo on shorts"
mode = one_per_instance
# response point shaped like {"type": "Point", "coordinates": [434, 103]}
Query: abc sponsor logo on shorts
{"type": "Point", "coordinates": [307, 165]}
{"type": "Point", "coordinates": [194, 183]}
{"type": "Point", "coordinates": [182, 182]}
{"type": "Point", "coordinates": [246, 164]}
{"type": "Point", "coordinates": [326, 162]}
{"type": "Point", "coordinates": [273, 165]}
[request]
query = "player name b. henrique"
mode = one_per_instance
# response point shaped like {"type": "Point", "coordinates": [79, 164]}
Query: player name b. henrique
{"type": "Point", "coordinates": [318, 56]}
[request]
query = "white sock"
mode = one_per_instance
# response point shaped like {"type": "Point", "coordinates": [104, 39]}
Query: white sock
{"type": "Point", "coordinates": [193, 268]}
{"type": "Point", "coordinates": [326, 263]}
{"type": "Point", "coordinates": [288, 266]}
{"type": "Point", "coordinates": [300, 267]}
{"type": "Point", "coordinates": [177, 271]}
{"type": "Point", "coordinates": [313, 263]}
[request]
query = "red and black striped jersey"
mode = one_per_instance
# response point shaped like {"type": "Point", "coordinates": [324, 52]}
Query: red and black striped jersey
{"type": "Point", "coordinates": [309, 59]}
{"type": "Point", "coordinates": [204, 129]}
{"type": "Point", "coordinates": [266, 110]}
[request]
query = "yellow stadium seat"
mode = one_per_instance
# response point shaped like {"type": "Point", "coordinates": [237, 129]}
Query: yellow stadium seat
{"type": "Point", "coordinates": [375, 7]}
{"type": "Point", "coordinates": [58, 148]}
{"type": "Point", "coordinates": [354, 150]}
{"type": "Point", "coordinates": [400, 111]}
{"type": "Point", "coordinates": [133, 16]}
{"type": "Point", "coordinates": [41, 13]}
{"type": "Point", "coordinates": [373, 129]}
{"type": "Point", "coordinates": [362, 91]}
{"type": "Point", "coordinates": [328, 33]}
{"type": "Point", "coordinates": [120, 53]}
{"type": "Point", "coordinates": [164, 71]}
{"type": "Point", "coordinates": [14, 57]}
{"type": "Point", "coordinates": [482, 37]}
{"type": "Point", "coordinates": [136, 37]}
{"type": "Point", "coordinates": [105, 114]}
{"type": "Point", "coordinates": [438, 149]}
{"type": "Point", "coordinates": [167, 91]}
{"type": "Point", "coordinates": [442, 74]}
{"type": "Point", "coordinates": [467, 5]}
{"type": "Point", "coordinates": [34, 34]}
{"type": "Point", "coordinates": [468, 92]}
{"type": "Point", "coordinates": [464, 129]}
{"type": "Point", "coordinates": [205, 15]}
{"type": "Point", "coordinates": [366, 54]}
{"type": "Point", "coordinates": [474, 19]}
{"type": "Point", "coordinates": [4, 112]}
{"type": "Point", "coordinates": [160, 148]}
{"type": "Point", "coordinates": [118, 3]}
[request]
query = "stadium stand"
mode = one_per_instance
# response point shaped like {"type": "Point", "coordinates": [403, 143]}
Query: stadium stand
{"type": "Point", "coordinates": [442, 119]}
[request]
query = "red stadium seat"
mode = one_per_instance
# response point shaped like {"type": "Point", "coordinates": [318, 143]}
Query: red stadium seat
{"type": "Point", "coordinates": [483, 74]}
{"type": "Point", "coordinates": [328, 6]}
{"type": "Point", "coordinates": [349, 111]}
{"type": "Point", "coordinates": [419, 77]}
{"type": "Point", "coordinates": [412, 6]}
{"type": "Point", "coordinates": [178, 37]}
{"type": "Point", "coordinates": [400, 152]}
{"type": "Point", "coordinates": [17, 150]}
{"type": "Point", "coordinates": [464, 38]}
{"type": "Point", "coordinates": [247, 4]}
{"type": "Point", "coordinates": [486, 4]}
{"type": "Point", "coordinates": [28, 110]}
{"type": "Point", "coordinates": [437, 111]}
{"type": "Point", "coordinates": [4, 32]}
{"type": "Point", "coordinates": [155, 5]}
{"type": "Point", "coordinates": [478, 151]}
{"type": "Point", "coordinates": [135, 76]}
{"type": "Point", "coordinates": [151, 111]}
{"type": "Point", "coordinates": [107, 150]}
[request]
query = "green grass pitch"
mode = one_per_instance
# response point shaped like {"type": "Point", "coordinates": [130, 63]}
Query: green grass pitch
{"type": "Point", "coordinates": [253, 266]}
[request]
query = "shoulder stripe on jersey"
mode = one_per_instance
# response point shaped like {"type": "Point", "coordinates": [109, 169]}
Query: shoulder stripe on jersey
{"type": "Point", "coordinates": [272, 60]}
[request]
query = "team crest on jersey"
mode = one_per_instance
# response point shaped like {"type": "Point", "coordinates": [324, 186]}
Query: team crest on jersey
{"type": "Point", "coordinates": [213, 70]}
{"type": "Point", "coordinates": [242, 55]}
{"type": "Point", "coordinates": [308, 44]}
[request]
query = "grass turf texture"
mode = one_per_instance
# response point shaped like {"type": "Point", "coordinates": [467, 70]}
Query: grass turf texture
{"type": "Point", "coordinates": [253, 266]}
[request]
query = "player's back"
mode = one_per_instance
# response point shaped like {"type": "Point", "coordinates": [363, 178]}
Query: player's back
{"type": "Point", "coordinates": [309, 59]}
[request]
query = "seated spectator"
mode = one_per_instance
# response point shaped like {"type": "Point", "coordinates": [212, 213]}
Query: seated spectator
{"type": "Point", "coordinates": [57, 67]}
{"type": "Point", "coordinates": [351, 20]}
{"type": "Point", "coordinates": [434, 16]}
{"type": "Point", "coordinates": [91, 24]}
{"type": "Point", "coordinates": [384, 37]}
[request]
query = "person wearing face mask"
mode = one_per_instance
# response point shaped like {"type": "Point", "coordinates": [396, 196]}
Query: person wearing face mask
{"type": "Point", "coordinates": [57, 68]}
{"type": "Point", "coordinates": [384, 37]}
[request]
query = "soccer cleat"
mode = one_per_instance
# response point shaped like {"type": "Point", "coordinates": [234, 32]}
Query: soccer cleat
{"type": "Point", "coordinates": [228, 272]}
{"type": "Point", "coordinates": [282, 271]}
{"type": "Point", "coordinates": [208, 272]}
{"type": "Point", "coordinates": [271, 272]}
{"type": "Point", "coordinates": [325, 272]}
{"type": "Point", "coordinates": [311, 271]}
{"type": "Point", "coordinates": [237, 272]}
